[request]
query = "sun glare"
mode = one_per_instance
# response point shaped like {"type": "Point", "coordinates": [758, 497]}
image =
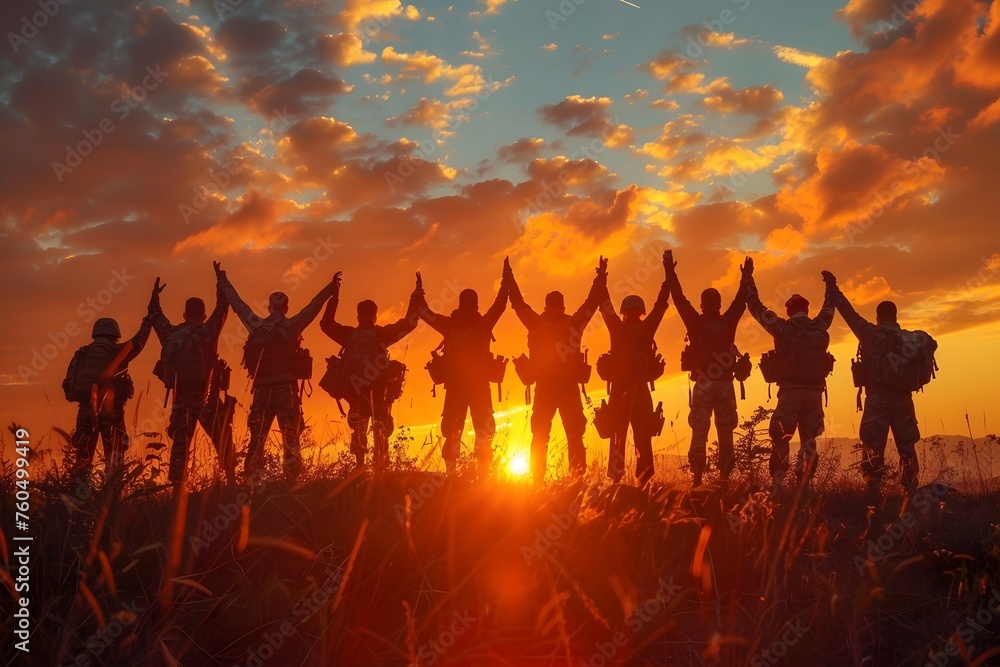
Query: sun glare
{"type": "Point", "coordinates": [518, 465]}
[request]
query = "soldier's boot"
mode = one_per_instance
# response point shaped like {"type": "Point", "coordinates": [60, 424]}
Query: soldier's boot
{"type": "Point", "coordinates": [697, 472]}
{"type": "Point", "coordinates": [450, 467]}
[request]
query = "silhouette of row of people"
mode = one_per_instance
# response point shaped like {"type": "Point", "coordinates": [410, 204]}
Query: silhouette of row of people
{"type": "Point", "coordinates": [891, 364]}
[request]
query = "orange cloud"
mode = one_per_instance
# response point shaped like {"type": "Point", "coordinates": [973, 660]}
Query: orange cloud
{"type": "Point", "coordinates": [851, 179]}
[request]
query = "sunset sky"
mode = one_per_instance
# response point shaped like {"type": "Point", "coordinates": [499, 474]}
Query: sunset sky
{"type": "Point", "coordinates": [292, 139]}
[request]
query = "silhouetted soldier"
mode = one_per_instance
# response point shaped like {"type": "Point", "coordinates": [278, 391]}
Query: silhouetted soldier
{"type": "Point", "coordinates": [365, 376]}
{"type": "Point", "coordinates": [98, 380]}
{"type": "Point", "coordinates": [274, 358]}
{"type": "Point", "coordinates": [558, 366]}
{"type": "Point", "coordinates": [710, 358]}
{"type": "Point", "coordinates": [888, 353]}
{"type": "Point", "coordinates": [469, 367]}
{"type": "Point", "coordinates": [799, 365]}
{"type": "Point", "coordinates": [634, 365]}
{"type": "Point", "coordinates": [189, 366]}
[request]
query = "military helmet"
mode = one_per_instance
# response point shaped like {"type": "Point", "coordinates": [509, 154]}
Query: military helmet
{"type": "Point", "coordinates": [106, 326]}
{"type": "Point", "coordinates": [633, 301]}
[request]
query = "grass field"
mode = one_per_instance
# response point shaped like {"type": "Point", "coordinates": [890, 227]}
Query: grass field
{"type": "Point", "coordinates": [412, 568]}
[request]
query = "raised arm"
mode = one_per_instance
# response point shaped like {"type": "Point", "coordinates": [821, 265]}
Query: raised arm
{"type": "Point", "coordinates": [218, 316]}
{"type": "Point", "coordinates": [739, 304]}
{"type": "Point", "coordinates": [328, 323]}
{"type": "Point", "coordinates": [608, 314]}
{"type": "Point", "coordinates": [524, 312]}
{"type": "Point", "coordinates": [402, 327]}
{"type": "Point", "coordinates": [249, 318]}
{"type": "Point", "coordinates": [767, 318]}
{"type": "Point", "coordinates": [298, 323]}
{"type": "Point", "coordinates": [154, 312]}
{"type": "Point", "coordinates": [138, 341]}
{"type": "Point", "coordinates": [598, 289]}
{"type": "Point", "coordinates": [827, 310]}
{"type": "Point", "coordinates": [663, 298]}
{"type": "Point", "coordinates": [438, 322]}
{"type": "Point", "coordinates": [492, 316]}
{"type": "Point", "coordinates": [684, 308]}
{"type": "Point", "coordinates": [861, 327]}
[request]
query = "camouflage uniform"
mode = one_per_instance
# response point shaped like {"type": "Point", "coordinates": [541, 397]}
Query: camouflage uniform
{"type": "Point", "coordinates": [372, 401]}
{"type": "Point", "coordinates": [630, 400]}
{"type": "Point", "coordinates": [275, 391]}
{"type": "Point", "coordinates": [708, 397]}
{"type": "Point", "coordinates": [108, 420]}
{"type": "Point", "coordinates": [275, 400]}
{"type": "Point", "coordinates": [885, 408]}
{"type": "Point", "coordinates": [713, 335]}
{"type": "Point", "coordinates": [467, 336]}
{"type": "Point", "coordinates": [193, 402]}
{"type": "Point", "coordinates": [554, 345]}
{"type": "Point", "coordinates": [800, 404]}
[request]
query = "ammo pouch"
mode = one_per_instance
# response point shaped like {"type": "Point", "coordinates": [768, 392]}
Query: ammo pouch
{"type": "Point", "coordinates": [435, 367]}
{"type": "Point", "coordinates": [656, 367]}
{"type": "Point", "coordinates": [688, 362]}
{"type": "Point", "coordinates": [123, 387]}
{"type": "Point", "coordinates": [334, 380]}
{"type": "Point", "coordinates": [222, 375]}
{"type": "Point", "coordinates": [861, 371]}
{"type": "Point", "coordinates": [496, 367]}
{"type": "Point", "coordinates": [525, 370]}
{"type": "Point", "coordinates": [394, 377]}
{"type": "Point", "coordinates": [605, 367]}
{"type": "Point", "coordinates": [579, 369]}
{"type": "Point", "coordinates": [742, 368]}
{"type": "Point", "coordinates": [303, 364]}
{"type": "Point", "coordinates": [770, 366]}
{"type": "Point", "coordinates": [741, 371]}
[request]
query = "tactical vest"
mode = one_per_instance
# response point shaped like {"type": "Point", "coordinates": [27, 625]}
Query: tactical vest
{"type": "Point", "coordinates": [186, 361]}
{"type": "Point", "coordinates": [801, 356]}
{"type": "Point", "coordinates": [269, 354]}
{"type": "Point", "coordinates": [711, 352]}
{"type": "Point", "coordinates": [553, 346]}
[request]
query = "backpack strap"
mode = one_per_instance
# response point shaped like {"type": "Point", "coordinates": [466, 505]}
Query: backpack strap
{"type": "Point", "coordinates": [860, 404]}
{"type": "Point", "coordinates": [743, 391]}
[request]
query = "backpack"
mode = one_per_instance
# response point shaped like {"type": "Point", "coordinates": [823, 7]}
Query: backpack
{"type": "Point", "coordinates": [77, 384]}
{"type": "Point", "coordinates": [902, 361]}
{"type": "Point", "coordinates": [84, 372]}
{"type": "Point", "coordinates": [268, 351]}
{"type": "Point", "coordinates": [804, 360]}
{"type": "Point", "coordinates": [360, 362]}
{"type": "Point", "coordinates": [181, 363]}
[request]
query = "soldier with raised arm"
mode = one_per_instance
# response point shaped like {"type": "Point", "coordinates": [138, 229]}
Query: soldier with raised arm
{"type": "Point", "coordinates": [189, 367]}
{"type": "Point", "coordinates": [800, 363]}
{"type": "Point", "coordinates": [634, 364]}
{"type": "Point", "coordinates": [273, 357]}
{"type": "Point", "coordinates": [468, 370]}
{"type": "Point", "coordinates": [893, 363]}
{"type": "Point", "coordinates": [711, 358]}
{"type": "Point", "coordinates": [98, 380]}
{"type": "Point", "coordinates": [558, 367]}
{"type": "Point", "coordinates": [365, 376]}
